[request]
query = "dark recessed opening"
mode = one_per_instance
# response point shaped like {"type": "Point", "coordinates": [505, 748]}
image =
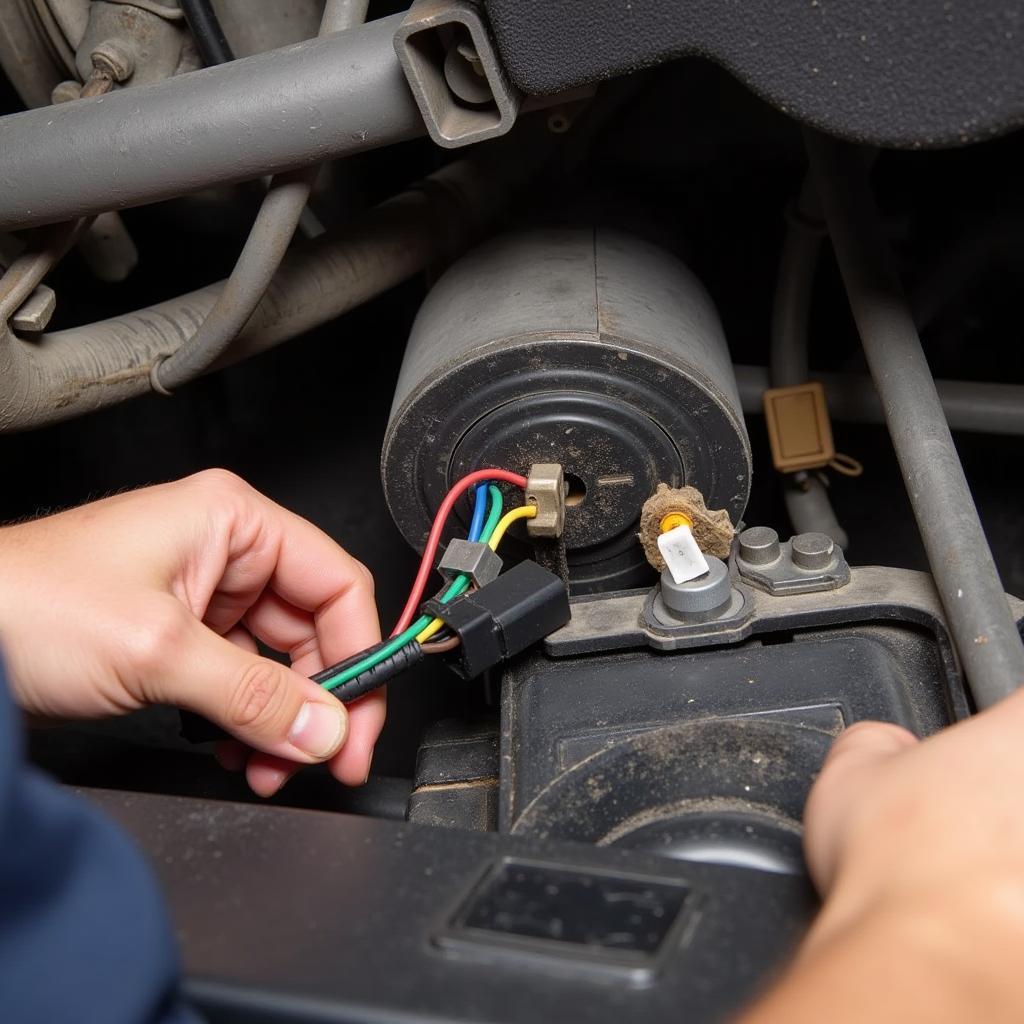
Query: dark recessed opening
{"type": "Point", "coordinates": [575, 490]}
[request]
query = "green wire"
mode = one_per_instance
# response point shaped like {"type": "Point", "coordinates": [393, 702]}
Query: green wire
{"type": "Point", "coordinates": [457, 587]}
{"type": "Point", "coordinates": [495, 515]}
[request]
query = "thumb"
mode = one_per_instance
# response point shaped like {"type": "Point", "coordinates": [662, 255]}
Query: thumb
{"type": "Point", "coordinates": [847, 775]}
{"type": "Point", "coordinates": [262, 703]}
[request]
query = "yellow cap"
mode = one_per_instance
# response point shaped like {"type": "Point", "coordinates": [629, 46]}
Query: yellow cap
{"type": "Point", "coordinates": [674, 520]}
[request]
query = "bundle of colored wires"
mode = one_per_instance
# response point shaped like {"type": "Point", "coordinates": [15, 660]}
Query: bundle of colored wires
{"type": "Point", "coordinates": [490, 531]}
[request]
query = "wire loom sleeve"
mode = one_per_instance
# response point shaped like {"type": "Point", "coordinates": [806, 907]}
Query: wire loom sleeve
{"type": "Point", "coordinates": [196, 729]}
{"type": "Point", "coordinates": [374, 677]}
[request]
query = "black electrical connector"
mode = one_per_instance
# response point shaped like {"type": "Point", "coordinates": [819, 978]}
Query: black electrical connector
{"type": "Point", "coordinates": [502, 619]}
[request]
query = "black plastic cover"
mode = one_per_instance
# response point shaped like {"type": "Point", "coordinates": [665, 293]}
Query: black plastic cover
{"type": "Point", "coordinates": [287, 916]}
{"type": "Point", "coordinates": [910, 73]}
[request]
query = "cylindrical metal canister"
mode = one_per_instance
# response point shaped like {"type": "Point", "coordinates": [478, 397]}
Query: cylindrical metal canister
{"type": "Point", "coordinates": [585, 347]}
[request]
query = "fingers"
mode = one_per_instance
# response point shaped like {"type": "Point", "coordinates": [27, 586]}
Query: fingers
{"type": "Point", "coordinates": [265, 705]}
{"type": "Point", "coordinates": [253, 545]}
{"type": "Point", "coordinates": [316, 575]}
{"type": "Point", "coordinates": [852, 766]}
{"type": "Point", "coordinates": [366, 719]}
{"type": "Point", "coordinates": [266, 774]}
{"type": "Point", "coordinates": [231, 755]}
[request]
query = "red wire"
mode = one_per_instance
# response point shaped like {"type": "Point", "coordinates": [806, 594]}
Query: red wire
{"type": "Point", "coordinates": [430, 551]}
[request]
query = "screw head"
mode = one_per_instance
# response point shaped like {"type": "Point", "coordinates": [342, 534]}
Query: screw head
{"type": "Point", "coordinates": [759, 545]}
{"type": "Point", "coordinates": [813, 551]}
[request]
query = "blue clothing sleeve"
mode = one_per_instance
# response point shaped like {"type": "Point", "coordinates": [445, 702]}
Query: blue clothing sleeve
{"type": "Point", "coordinates": [83, 931]}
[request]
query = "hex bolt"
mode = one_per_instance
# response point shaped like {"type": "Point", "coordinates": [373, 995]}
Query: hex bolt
{"type": "Point", "coordinates": [813, 551]}
{"type": "Point", "coordinates": [759, 545]}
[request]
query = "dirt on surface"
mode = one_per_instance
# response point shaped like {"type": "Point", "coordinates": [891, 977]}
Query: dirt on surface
{"type": "Point", "coordinates": [712, 528]}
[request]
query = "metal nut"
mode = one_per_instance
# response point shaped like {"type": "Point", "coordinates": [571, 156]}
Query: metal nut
{"type": "Point", "coordinates": [545, 488]}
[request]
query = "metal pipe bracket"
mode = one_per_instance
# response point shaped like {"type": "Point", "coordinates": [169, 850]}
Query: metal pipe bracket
{"type": "Point", "coordinates": [450, 60]}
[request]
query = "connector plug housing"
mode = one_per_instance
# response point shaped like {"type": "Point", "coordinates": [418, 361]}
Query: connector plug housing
{"type": "Point", "coordinates": [502, 619]}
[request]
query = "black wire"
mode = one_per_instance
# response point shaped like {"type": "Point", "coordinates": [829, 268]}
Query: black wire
{"type": "Point", "coordinates": [209, 36]}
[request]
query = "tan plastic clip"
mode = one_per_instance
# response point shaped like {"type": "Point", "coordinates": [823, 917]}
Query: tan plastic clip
{"type": "Point", "coordinates": [799, 428]}
{"type": "Point", "coordinates": [545, 488]}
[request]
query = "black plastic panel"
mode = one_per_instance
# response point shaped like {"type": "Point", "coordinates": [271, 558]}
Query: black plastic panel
{"type": "Point", "coordinates": [906, 73]}
{"type": "Point", "coordinates": [289, 915]}
{"type": "Point", "coordinates": [561, 713]}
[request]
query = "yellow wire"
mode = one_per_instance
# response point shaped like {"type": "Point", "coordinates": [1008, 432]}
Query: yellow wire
{"type": "Point", "coordinates": [523, 512]}
{"type": "Point", "coordinates": [427, 632]}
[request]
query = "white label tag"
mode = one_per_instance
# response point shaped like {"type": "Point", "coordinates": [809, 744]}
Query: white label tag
{"type": "Point", "coordinates": [684, 559]}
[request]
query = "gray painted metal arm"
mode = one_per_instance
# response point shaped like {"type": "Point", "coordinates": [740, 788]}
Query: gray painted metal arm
{"type": "Point", "coordinates": [67, 373]}
{"type": "Point", "coordinates": [983, 628]}
{"type": "Point", "coordinates": [981, 407]}
{"type": "Point", "coordinates": [268, 241]}
{"type": "Point", "coordinates": [329, 97]}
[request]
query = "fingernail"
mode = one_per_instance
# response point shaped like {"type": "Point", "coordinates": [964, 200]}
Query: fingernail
{"type": "Point", "coordinates": [319, 729]}
{"type": "Point", "coordinates": [271, 781]}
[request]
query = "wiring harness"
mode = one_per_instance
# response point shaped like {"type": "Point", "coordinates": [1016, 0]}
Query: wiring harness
{"type": "Point", "coordinates": [488, 622]}
{"type": "Point", "coordinates": [482, 617]}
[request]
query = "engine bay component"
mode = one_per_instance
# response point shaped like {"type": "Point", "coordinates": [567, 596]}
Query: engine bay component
{"type": "Point", "coordinates": [585, 347]}
{"type": "Point", "coordinates": [986, 636]}
{"type": "Point", "coordinates": [799, 429]}
{"type": "Point", "coordinates": [268, 113]}
{"type": "Point", "coordinates": [806, 563]}
{"type": "Point", "coordinates": [701, 599]}
{"type": "Point", "coordinates": [66, 373]}
{"type": "Point", "coordinates": [712, 754]}
{"type": "Point", "coordinates": [504, 618]}
{"type": "Point", "coordinates": [910, 73]}
{"type": "Point", "coordinates": [545, 488]}
{"type": "Point", "coordinates": [459, 83]}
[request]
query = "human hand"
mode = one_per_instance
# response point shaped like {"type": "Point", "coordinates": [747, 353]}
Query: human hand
{"type": "Point", "coordinates": [917, 849]}
{"type": "Point", "coordinates": [937, 826]}
{"type": "Point", "coordinates": [155, 597]}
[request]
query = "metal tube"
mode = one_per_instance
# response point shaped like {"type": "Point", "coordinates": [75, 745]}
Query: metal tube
{"type": "Point", "coordinates": [71, 372]}
{"type": "Point", "coordinates": [268, 241]}
{"type": "Point", "coordinates": [807, 501]}
{"type": "Point", "coordinates": [971, 406]}
{"type": "Point", "coordinates": [794, 287]}
{"type": "Point", "coordinates": [984, 632]}
{"type": "Point", "coordinates": [332, 96]}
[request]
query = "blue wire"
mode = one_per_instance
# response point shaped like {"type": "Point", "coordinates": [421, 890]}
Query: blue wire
{"type": "Point", "coordinates": [479, 508]}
